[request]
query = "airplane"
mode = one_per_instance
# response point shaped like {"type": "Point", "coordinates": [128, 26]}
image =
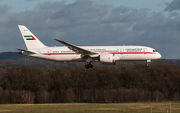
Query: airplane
{"type": "Point", "coordinates": [89, 54]}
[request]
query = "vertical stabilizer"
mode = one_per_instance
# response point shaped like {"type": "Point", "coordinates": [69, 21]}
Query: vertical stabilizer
{"type": "Point", "coordinates": [31, 41]}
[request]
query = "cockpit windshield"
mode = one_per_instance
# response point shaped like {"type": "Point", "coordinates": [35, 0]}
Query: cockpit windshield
{"type": "Point", "coordinates": [154, 51]}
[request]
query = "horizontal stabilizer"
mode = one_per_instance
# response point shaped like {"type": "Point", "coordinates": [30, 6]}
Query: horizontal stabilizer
{"type": "Point", "coordinates": [30, 52]}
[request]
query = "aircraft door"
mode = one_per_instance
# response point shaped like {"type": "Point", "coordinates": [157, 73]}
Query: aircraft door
{"type": "Point", "coordinates": [146, 55]}
{"type": "Point", "coordinates": [49, 51]}
{"type": "Point", "coordinates": [122, 56]}
{"type": "Point", "coordinates": [121, 51]}
{"type": "Point", "coordinates": [145, 50]}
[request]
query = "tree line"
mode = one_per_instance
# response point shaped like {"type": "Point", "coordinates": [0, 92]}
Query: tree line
{"type": "Point", "coordinates": [102, 84]}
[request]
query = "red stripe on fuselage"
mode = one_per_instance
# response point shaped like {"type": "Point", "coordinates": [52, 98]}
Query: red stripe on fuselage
{"type": "Point", "coordinates": [60, 53]}
{"type": "Point", "coordinates": [132, 53]}
{"type": "Point", "coordinates": [137, 53]}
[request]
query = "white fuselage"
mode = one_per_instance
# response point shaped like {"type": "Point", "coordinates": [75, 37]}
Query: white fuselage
{"type": "Point", "coordinates": [71, 53]}
{"type": "Point", "coordinates": [123, 53]}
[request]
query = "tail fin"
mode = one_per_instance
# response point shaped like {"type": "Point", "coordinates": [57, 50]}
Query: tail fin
{"type": "Point", "coordinates": [31, 41]}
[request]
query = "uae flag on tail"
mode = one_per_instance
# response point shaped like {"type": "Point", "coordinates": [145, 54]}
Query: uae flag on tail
{"type": "Point", "coordinates": [29, 37]}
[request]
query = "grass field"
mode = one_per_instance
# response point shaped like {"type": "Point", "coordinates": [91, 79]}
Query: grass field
{"type": "Point", "coordinates": [163, 107]}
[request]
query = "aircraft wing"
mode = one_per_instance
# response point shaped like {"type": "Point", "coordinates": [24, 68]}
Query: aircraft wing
{"type": "Point", "coordinates": [76, 49]}
{"type": "Point", "coordinates": [30, 52]}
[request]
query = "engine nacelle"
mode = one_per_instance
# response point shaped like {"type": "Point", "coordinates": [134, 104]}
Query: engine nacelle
{"type": "Point", "coordinates": [107, 59]}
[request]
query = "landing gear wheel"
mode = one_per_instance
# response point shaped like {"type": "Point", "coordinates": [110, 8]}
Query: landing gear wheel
{"type": "Point", "coordinates": [87, 66]}
{"type": "Point", "coordinates": [90, 66]}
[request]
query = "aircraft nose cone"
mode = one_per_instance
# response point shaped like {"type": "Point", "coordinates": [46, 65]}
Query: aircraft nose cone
{"type": "Point", "coordinates": [156, 56]}
{"type": "Point", "coordinates": [159, 55]}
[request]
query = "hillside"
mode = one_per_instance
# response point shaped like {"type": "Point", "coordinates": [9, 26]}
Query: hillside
{"type": "Point", "coordinates": [29, 80]}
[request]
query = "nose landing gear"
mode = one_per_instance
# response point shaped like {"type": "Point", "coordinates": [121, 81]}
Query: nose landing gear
{"type": "Point", "coordinates": [148, 61]}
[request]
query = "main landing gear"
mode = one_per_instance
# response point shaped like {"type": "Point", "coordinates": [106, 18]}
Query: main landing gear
{"type": "Point", "coordinates": [87, 66]}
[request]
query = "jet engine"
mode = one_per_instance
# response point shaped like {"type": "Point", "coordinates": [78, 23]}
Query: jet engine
{"type": "Point", "coordinates": [107, 59]}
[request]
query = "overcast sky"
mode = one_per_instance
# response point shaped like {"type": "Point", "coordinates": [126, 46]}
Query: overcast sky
{"type": "Point", "coordinates": [153, 23]}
